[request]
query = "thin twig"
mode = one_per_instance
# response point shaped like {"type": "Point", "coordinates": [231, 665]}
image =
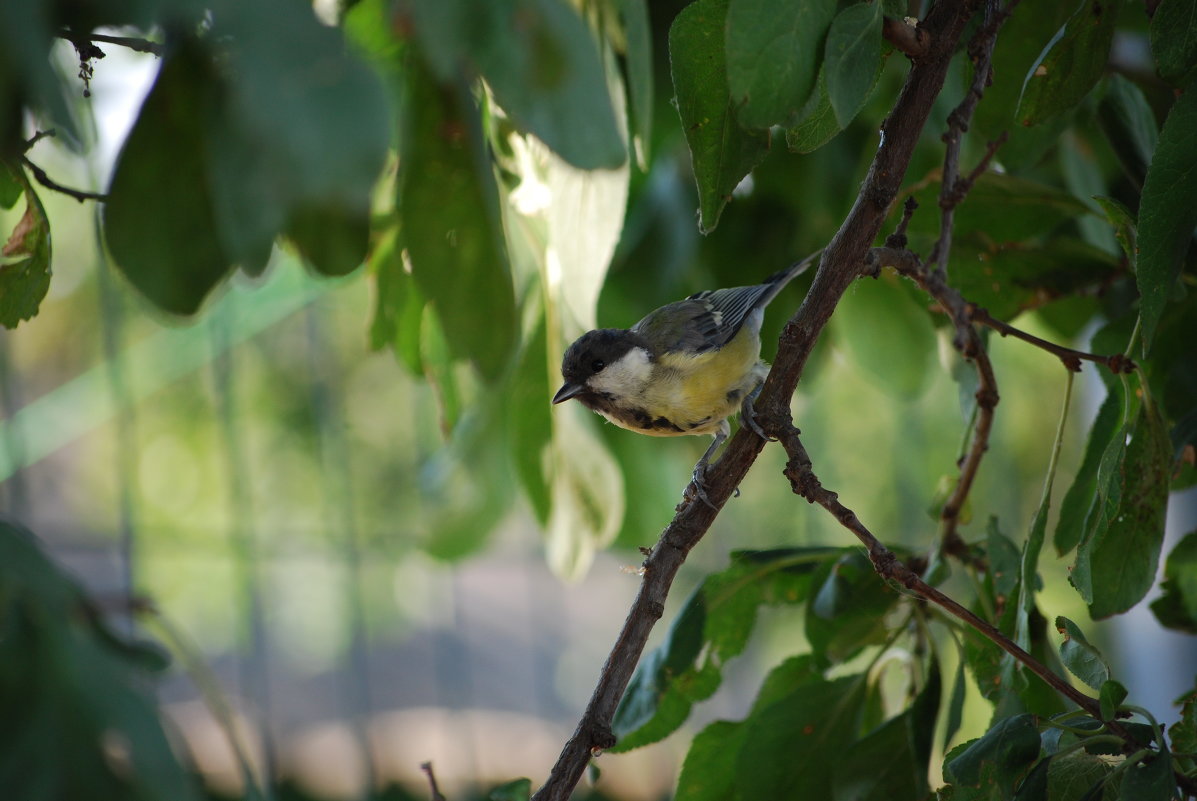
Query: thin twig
{"type": "Point", "coordinates": [806, 484]}
{"type": "Point", "coordinates": [1116, 363]}
{"type": "Point", "coordinates": [133, 43]}
{"type": "Point", "coordinates": [49, 183]}
{"type": "Point", "coordinates": [437, 795]}
{"type": "Point", "coordinates": [840, 266]}
{"type": "Point", "coordinates": [37, 137]}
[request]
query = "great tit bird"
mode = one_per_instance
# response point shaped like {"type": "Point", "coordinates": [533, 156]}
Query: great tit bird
{"type": "Point", "coordinates": [684, 369]}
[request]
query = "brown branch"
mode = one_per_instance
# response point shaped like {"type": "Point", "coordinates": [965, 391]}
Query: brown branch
{"type": "Point", "coordinates": [138, 45]}
{"type": "Point", "coordinates": [841, 264]}
{"type": "Point", "coordinates": [1116, 363]}
{"type": "Point", "coordinates": [49, 183]}
{"type": "Point", "coordinates": [804, 483]}
{"type": "Point", "coordinates": [908, 39]}
{"type": "Point", "coordinates": [437, 795]}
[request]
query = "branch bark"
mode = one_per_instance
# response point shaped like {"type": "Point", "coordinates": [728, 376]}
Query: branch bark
{"type": "Point", "coordinates": [842, 262]}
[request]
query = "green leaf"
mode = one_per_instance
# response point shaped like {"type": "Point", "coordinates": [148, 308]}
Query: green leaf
{"type": "Point", "coordinates": [814, 720]}
{"type": "Point", "coordinates": [1118, 556]}
{"type": "Point", "coordinates": [853, 58]}
{"type": "Point", "coordinates": [716, 622]}
{"type": "Point", "coordinates": [1183, 733]}
{"type": "Point", "coordinates": [1122, 220]}
{"type": "Point", "coordinates": [1080, 657]}
{"type": "Point", "coordinates": [889, 335]}
{"type": "Point", "coordinates": [816, 124]}
{"type": "Point", "coordinates": [1177, 607]}
{"type": "Point", "coordinates": [1070, 526]}
{"type": "Point", "coordinates": [398, 306]}
{"type": "Point", "coordinates": [1150, 780]}
{"type": "Point", "coordinates": [1174, 40]}
{"type": "Point", "coordinates": [1167, 214]}
{"type": "Point", "coordinates": [1009, 747]}
{"type": "Point", "coordinates": [1024, 38]}
{"type": "Point", "coordinates": [159, 221]}
{"type": "Point", "coordinates": [891, 761]}
{"type": "Point", "coordinates": [721, 152]}
{"type": "Point", "coordinates": [639, 59]}
{"type": "Point", "coordinates": [1072, 776]}
{"type": "Point", "coordinates": [1070, 65]}
{"type": "Point", "coordinates": [331, 237]}
{"type": "Point", "coordinates": [531, 422]}
{"type": "Point", "coordinates": [515, 790]}
{"type": "Point", "coordinates": [80, 718]}
{"type": "Point", "coordinates": [955, 704]}
{"type": "Point", "coordinates": [24, 259]}
{"type": "Point", "coordinates": [540, 60]}
{"type": "Point", "coordinates": [1126, 119]}
{"type": "Point", "coordinates": [709, 771]}
{"type": "Point", "coordinates": [847, 608]}
{"type": "Point", "coordinates": [773, 52]}
{"type": "Point", "coordinates": [448, 205]}
{"type": "Point", "coordinates": [1111, 695]}
{"type": "Point", "coordinates": [11, 186]}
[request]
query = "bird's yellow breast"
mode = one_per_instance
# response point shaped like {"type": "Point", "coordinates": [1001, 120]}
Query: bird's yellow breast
{"type": "Point", "coordinates": [697, 392]}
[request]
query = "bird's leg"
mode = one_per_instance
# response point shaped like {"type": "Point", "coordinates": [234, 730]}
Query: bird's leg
{"type": "Point", "coordinates": [698, 480]}
{"type": "Point", "coordinates": [748, 414]}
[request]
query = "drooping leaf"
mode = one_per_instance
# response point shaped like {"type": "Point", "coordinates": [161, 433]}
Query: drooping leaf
{"type": "Point", "coordinates": [773, 54]}
{"type": "Point", "coordinates": [1167, 214]}
{"type": "Point", "coordinates": [542, 63]}
{"type": "Point", "coordinates": [1071, 65]}
{"type": "Point", "coordinates": [1080, 657]}
{"type": "Point", "coordinates": [25, 258]}
{"type": "Point", "coordinates": [1073, 776]}
{"type": "Point", "coordinates": [1070, 526]}
{"type": "Point", "coordinates": [853, 58]}
{"type": "Point", "coordinates": [531, 423]}
{"type": "Point", "coordinates": [1124, 531]}
{"type": "Point", "coordinates": [1123, 222]}
{"type": "Point", "coordinates": [1177, 607]}
{"type": "Point", "coordinates": [449, 208]}
{"type": "Point", "coordinates": [1174, 40]}
{"type": "Point", "coordinates": [721, 152]}
{"type": "Point", "coordinates": [159, 220]}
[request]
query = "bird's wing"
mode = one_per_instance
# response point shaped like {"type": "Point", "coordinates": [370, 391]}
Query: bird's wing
{"type": "Point", "coordinates": [703, 321]}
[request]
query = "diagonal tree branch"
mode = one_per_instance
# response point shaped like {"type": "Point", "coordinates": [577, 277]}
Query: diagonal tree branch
{"type": "Point", "coordinates": [842, 263]}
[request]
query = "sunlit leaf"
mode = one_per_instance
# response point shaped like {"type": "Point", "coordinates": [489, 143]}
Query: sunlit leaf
{"type": "Point", "coordinates": [721, 151]}
{"type": "Point", "coordinates": [709, 771]}
{"type": "Point", "coordinates": [639, 58]}
{"type": "Point", "coordinates": [847, 608]}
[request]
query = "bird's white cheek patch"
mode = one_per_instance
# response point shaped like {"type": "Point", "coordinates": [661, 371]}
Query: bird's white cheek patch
{"type": "Point", "coordinates": [624, 377]}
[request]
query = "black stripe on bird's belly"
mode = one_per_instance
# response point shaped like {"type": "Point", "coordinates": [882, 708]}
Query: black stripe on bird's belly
{"type": "Point", "coordinates": [632, 416]}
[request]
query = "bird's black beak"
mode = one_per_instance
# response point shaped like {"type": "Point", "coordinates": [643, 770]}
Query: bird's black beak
{"type": "Point", "coordinates": [568, 391]}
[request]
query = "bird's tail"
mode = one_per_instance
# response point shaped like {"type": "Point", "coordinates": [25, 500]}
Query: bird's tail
{"type": "Point", "coordinates": [779, 279]}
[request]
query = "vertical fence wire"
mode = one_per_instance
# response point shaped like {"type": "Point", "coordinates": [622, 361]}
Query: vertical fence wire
{"type": "Point", "coordinates": [327, 400]}
{"type": "Point", "coordinates": [13, 491]}
{"type": "Point", "coordinates": [112, 328]}
{"type": "Point", "coordinates": [254, 669]}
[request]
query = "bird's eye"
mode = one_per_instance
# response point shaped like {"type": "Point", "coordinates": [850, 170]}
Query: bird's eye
{"type": "Point", "coordinates": [597, 365]}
